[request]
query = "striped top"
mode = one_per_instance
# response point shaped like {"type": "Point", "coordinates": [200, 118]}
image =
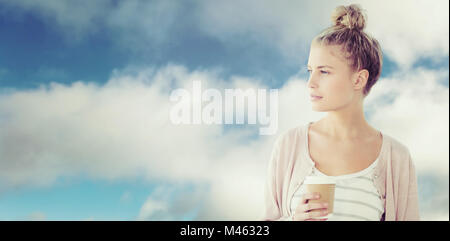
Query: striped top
{"type": "Point", "coordinates": [356, 196]}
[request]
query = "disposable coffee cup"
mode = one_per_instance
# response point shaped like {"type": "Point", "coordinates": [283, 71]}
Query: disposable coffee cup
{"type": "Point", "coordinates": [325, 186]}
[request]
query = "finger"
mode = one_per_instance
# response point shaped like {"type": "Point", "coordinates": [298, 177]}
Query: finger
{"type": "Point", "coordinates": [310, 215]}
{"type": "Point", "coordinates": [308, 196]}
{"type": "Point", "coordinates": [322, 213]}
{"type": "Point", "coordinates": [311, 219]}
{"type": "Point", "coordinates": [316, 214]}
{"type": "Point", "coordinates": [311, 207]}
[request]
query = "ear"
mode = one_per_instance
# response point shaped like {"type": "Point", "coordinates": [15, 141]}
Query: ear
{"type": "Point", "coordinates": [360, 79]}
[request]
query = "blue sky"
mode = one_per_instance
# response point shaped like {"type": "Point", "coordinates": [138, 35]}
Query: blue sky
{"type": "Point", "coordinates": [49, 56]}
{"type": "Point", "coordinates": [84, 199]}
{"type": "Point", "coordinates": [62, 42]}
{"type": "Point", "coordinates": [78, 200]}
{"type": "Point", "coordinates": [30, 49]}
{"type": "Point", "coordinates": [34, 53]}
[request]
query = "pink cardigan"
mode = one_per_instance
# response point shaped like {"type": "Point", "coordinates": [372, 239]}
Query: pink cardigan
{"type": "Point", "coordinates": [290, 163]}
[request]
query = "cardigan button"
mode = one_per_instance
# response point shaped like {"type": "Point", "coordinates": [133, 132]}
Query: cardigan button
{"type": "Point", "coordinates": [375, 176]}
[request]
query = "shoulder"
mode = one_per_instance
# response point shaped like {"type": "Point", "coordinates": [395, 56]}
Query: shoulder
{"type": "Point", "coordinates": [288, 142]}
{"type": "Point", "coordinates": [398, 149]}
{"type": "Point", "coordinates": [286, 146]}
{"type": "Point", "coordinates": [291, 136]}
{"type": "Point", "coordinates": [400, 154]}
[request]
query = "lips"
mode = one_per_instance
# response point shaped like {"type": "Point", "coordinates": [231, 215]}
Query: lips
{"type": "Point", "coordinates": [315, 97]}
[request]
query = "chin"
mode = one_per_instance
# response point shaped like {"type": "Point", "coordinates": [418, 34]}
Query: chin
{"type": "Point", "coordinates": [328, 106]}
{"type": "Point", "coordinates": [320, 108]}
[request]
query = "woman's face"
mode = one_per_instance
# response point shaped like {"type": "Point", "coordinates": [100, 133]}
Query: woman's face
{"type": "Point", "coordinates": [330, 78]}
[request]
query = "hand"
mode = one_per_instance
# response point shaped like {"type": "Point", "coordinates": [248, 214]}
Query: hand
{"type": "Point", "coordinates": [304, 208]}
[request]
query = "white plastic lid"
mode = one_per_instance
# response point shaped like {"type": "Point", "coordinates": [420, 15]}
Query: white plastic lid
{"type": "Point", "coordinates": [319, 180]}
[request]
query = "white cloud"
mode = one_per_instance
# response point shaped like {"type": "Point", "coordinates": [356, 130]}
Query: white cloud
{"type": "Point", "coordinates": [287, 25]}
{"type": "Point", "coordinates": [418, 115]}
{"type": "Point", "coordinates": [437, 217]}
{"type": "Point", "coordinates": [121, 131]}
{"type": "Point", "coordinates": [83, 128]}
{"type": "Point", "coordinates": [407, 30]}
{"type": "Point", "coordinates": [151, 208]}
{"type": "Point", "coordinates": [410, 30]}
{"type": "Point", "coordinates": [173, 201]}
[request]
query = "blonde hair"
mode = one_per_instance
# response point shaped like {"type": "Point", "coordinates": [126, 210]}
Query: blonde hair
{"type": "Point", "coordinates": [362, 50]}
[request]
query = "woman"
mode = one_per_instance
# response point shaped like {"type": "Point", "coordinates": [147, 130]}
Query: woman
{"type": "Point", "coordinates": [374, 174]}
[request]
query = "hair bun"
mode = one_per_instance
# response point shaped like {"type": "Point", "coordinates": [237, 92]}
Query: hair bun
{"type": "Point", "coordinates": [351, 17]}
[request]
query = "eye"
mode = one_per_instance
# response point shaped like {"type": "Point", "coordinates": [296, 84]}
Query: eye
{"type": "Point", "coordinates": [323, 72]}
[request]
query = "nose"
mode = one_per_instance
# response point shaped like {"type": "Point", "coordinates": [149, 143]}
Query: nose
{"type": "Point", "coordinates": [312, 81]}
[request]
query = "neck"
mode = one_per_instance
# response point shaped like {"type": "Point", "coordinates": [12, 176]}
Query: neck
{"type": "Point", "coordinates": [346, 124]}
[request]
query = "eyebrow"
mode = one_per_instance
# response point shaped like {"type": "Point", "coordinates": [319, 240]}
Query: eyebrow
{"type": "Point", "coordinates": [322, 66]}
